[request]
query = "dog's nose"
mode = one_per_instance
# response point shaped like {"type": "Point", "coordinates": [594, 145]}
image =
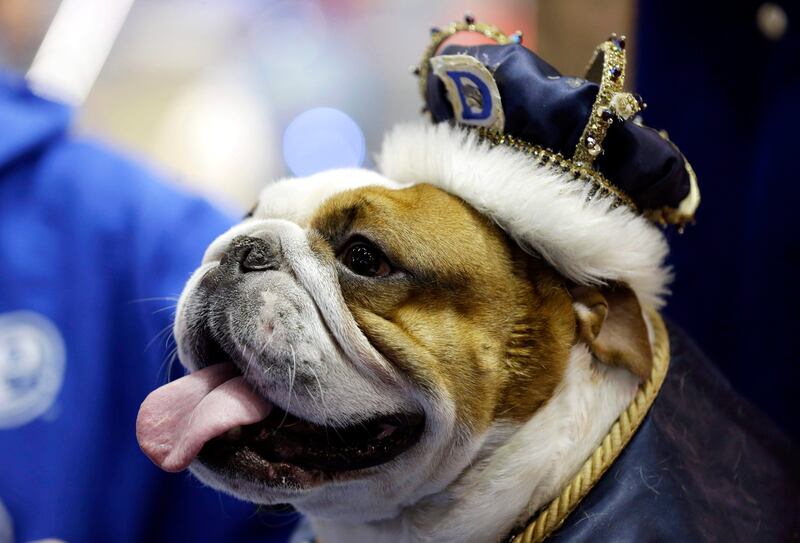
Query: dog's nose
{"type": "Point", "coordinates": [253, 253]}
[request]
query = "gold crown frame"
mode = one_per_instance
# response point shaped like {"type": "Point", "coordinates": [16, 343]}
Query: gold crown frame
{"type": "Point", "coordinates": [607, 69]}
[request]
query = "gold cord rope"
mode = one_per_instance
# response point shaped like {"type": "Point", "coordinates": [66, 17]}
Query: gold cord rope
{"type": "Point", "coordinates": [551, 517]}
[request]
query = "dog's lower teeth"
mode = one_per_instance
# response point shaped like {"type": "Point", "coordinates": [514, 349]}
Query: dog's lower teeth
{"type": "Point", "coordinates": [233, 434]}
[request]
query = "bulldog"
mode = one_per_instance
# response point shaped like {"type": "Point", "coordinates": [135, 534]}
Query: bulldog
{"type": "Point", "coordinates": [468, 337]}
{"type": "Point", "coordinates": [386, 358]}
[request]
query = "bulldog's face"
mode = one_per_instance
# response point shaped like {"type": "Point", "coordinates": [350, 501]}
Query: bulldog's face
{"type": "Point", "coordinates": [384, 334]}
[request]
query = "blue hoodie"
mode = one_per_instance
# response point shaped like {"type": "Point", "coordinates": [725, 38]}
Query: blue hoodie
{"type": "Point", "coordinates": [94, 250]}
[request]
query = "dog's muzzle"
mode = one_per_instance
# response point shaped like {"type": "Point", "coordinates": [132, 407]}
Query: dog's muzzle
{"type": "Point", "coordinates": [272, 397]}
{"type": "Point", "coordinates": [252, 254]}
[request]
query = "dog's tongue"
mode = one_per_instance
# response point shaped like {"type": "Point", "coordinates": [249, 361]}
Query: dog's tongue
{"type": "Point", "coordinates": [176, 420]}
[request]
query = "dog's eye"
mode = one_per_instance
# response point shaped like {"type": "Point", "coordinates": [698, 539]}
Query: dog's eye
{"type": "Point", "coordinates": [365, 259]}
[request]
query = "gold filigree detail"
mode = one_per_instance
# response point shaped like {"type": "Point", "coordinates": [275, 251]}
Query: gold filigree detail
{"type": "Point", "coordinates": [546, 157]}
{"type": "Point", "coordinates": [606, 68]}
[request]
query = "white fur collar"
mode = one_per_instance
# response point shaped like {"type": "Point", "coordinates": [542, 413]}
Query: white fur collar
{"type": "Point", "coordinates": [544, 209]}
{"type": "Point", "coordinates": [590, 242]}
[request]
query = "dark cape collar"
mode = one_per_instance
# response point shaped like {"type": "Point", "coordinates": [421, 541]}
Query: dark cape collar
{"type": "Point", "coordinates": [703, 464]}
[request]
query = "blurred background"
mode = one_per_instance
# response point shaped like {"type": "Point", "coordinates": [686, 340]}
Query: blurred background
{"type": "Point", "coordinates": [225, 96]}
{"type": "Point", "coordinates": [221, 97]}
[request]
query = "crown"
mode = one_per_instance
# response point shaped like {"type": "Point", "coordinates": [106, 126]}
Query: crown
{"type": "Point", "coordinates": [470, 78]}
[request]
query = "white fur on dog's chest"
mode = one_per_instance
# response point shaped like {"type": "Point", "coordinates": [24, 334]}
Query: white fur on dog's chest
{"type": "Point", "coordinates": [518, 469]}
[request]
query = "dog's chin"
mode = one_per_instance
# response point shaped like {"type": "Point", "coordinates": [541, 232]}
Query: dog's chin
{"type": "Point", "coordinates": [284, 454]}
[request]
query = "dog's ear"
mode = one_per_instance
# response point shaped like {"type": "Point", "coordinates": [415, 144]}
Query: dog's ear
{"type": "Point", "coordinates": [610, 322]}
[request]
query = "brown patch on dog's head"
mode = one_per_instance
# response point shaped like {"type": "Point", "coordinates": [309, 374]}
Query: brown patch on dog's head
{"type": "Point", "coordinates": [464, 310]}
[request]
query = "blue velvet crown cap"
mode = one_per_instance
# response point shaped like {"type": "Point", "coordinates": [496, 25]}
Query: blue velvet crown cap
{"type": "Point", "coordinates": [587, 125]}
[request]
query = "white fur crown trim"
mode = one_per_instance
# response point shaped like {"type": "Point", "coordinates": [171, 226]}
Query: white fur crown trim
{"type": "Point", "coordinates": [545, 210]}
